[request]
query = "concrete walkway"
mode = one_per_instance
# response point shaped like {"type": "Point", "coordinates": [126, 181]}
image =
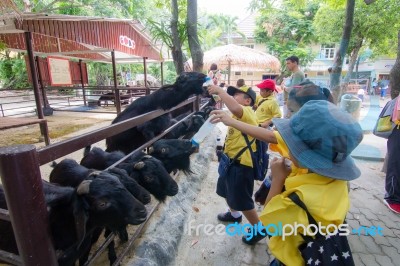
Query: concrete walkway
{"type": "Point", "coordinates": [367, 213]}
{"type": "Point", "coordinates": [372, 147]}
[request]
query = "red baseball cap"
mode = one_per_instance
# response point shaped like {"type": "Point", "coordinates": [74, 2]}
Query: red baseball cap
{"type": "Point", "coordinates": [267, 84]}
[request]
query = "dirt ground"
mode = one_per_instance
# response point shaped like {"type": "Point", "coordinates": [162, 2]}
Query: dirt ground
{"type": "Point", "coordinates": [60, 126]}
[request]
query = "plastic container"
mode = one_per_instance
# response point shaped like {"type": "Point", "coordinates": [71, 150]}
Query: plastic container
{"type": "Point", "coordinates": [207, 82]}
{"type": "Point", "coordinates": [351, 104]}
{"type": "Point", "coordinates": [203, 132]}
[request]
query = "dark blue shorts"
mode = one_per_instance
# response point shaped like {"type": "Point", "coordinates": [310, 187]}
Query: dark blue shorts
{"type": "Point", "coordinates": [237, 187]}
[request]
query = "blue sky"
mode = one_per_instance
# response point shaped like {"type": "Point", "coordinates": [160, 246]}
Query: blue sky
{"type": "Point", "coordinates": [228, 7]}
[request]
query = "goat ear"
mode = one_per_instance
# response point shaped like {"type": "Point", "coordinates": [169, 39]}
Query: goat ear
{"type": "Point", "coordinates": [83, 187]}
{"type": "Point", "coordinates": [81, 217]}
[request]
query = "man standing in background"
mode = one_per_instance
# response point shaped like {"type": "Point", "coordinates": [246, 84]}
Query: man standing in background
{"type": "Point", "coordinates": [292, 64]}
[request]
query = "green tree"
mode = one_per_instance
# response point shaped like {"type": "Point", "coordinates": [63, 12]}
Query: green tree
{"type": "Point", "coordinates": [395, 72]}
{"type": "Point", "coordinates": [286, 30]}
{"type": "Point", "coordinates": [369, 29]}
{"type": "Point", "coordinates": [226, 26]}
{"type": "Point", "coordinates": [13, 71]}
{"type": "Point", "coordinates": [193, 39]}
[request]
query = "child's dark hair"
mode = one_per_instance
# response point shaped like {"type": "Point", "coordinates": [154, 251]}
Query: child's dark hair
{"type": "Point", "coordinates": [213, 66]}
{"type": "Point", "coordinates": [240, 83]}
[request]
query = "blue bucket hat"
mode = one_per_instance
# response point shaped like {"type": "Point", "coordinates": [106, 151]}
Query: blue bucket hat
{"type": "Point", "coordinates": [321, 138]}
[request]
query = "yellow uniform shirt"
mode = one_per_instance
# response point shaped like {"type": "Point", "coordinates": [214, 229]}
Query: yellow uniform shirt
{"type": "Point", "coordinates": [326, 199]}
{"type": "Point", "coordinates": [268, 109]}
{"type": "Point", "coordinates": [284, 152]}
{"type": "Point", "coordinates": [235, 141]}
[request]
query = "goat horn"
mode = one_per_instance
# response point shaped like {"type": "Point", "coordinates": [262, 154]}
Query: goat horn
{"type": "Point", "coordinates": [139, 165]}
{"type": "Point", "coordinates": [94, 173]}
{"type": "Point", "coordinates": [83, 187]}
{"type": "Point", "coordinates": [150, 150]}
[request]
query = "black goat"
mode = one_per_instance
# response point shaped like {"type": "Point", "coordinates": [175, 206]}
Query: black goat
{"type": "Point", "coordinates": [151, 174]}
{"type": "Point", "coordinates": [69, 173]}
{"type": "Point", "coordinates": [187, 128]}
{"type": "Point", "coordinates": [98, 159]}
{"type": "Point", "coordinates": [173, 153]}
{"type": "Point", "coordinates": [75, 213]}
{"type": "Point", "coordinates": [168, 96]}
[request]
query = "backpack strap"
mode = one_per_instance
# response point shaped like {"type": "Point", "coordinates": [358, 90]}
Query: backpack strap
{"type": "Point", "coordinates": [261, 102]}
{"type": "Point", "coordinates": [295, 198]}
{"type": "Point", "coordinates": [245, 148]}
{"type": "Point", "coordinates": [248, 142]}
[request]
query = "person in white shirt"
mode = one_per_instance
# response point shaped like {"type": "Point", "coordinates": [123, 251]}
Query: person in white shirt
{"type": "Point", "coordinates": [360, 94]}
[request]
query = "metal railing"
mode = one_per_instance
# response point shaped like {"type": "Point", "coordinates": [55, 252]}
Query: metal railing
{"type": "Point", "coordinates": [24, 193]}
{"type": "Point", "coordinates": [22, 102]}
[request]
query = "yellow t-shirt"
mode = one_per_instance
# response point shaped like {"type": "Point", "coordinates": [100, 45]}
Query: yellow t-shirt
{"type": "Point", "coordinates": [268, 109]}
{"type": "Point", "coordinates": [326, 199]}
{"type": "Point", "coordinates": [284, 152]}
{"type": "Point", "coordinates": [235, 141]}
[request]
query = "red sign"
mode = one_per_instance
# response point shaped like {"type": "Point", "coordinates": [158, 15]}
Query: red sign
{"type": "Point", "coordinates": [126, 41]}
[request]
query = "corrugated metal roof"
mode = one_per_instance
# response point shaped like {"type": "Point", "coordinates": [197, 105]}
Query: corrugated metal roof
{"type": "Point", "coordinates": [63, 35]}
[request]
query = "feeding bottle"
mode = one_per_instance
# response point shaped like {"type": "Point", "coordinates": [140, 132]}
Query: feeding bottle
{"type": "Point", "coordinates": [204, 131]}
{"type": "Point", "coordinates": [207, 82]}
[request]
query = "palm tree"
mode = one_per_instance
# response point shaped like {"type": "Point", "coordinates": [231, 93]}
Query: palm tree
{"type": "Point", "coordinates": [227, 25]}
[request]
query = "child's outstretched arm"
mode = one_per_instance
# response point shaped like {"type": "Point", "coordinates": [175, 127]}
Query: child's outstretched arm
{"type": "Point", "coordinates": [230, 102]}
{"type": "Point", "coordinates": [254, 131]}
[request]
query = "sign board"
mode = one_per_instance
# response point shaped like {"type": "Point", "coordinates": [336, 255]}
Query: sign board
{"type": "Point", "coordinates": [60, 73]}
{"type": "Point", "coordinates": [126, 41]}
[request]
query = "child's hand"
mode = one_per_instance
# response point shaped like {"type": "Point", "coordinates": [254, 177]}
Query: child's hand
{"type": "Point", "coordinates": [213, 89]}
{"type": "Point", "coordinates": [221, 116]}
{"type": "Point", "coordinates": [279, 170]}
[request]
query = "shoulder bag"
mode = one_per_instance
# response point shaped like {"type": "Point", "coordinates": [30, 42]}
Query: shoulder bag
{"type": "Point", "coordinates": [325, 250]}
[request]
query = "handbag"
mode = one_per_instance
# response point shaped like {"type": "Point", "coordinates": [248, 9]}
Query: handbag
{"type": "Point", "coordinates": [225, 162]}
{"type": "Point", "coordinates": [325, 250]}
{"type": "Point", "coordinates": [384, 125]}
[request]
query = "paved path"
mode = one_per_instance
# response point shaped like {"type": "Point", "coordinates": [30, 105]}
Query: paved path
{"type": "Point", "coordinates": [367, 210]}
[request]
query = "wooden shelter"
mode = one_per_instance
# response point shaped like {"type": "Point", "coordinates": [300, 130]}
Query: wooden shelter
{"type": "Point", "coordinates": [84, 38]}
{"type": "Point", "coordinates": [239, 58]}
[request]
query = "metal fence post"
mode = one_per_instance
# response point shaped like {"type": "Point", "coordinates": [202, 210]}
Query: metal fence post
{"type": "Point", "coordinates": [20, 175]}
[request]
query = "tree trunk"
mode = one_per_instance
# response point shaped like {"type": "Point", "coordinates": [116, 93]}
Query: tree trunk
{"type": "Point", "coordinates": [194, 44]}
{"type": "Point", "coordinates": [177, 54]}
{"type": "Point", "coordinates": [395, 72]}
{"type": "Point", "coordinates": [352, 61]}
{"type": "Point", "coordinates": [341, 52]}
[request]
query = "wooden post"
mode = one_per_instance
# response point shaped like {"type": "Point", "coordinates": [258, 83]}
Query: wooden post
{"type": "Point", "coordinates": [116, 91]}
{"type": "Point", "coordinates": [21, 179]}
{"type": "Point", "coordinates": [44, 98]}
{"type": "Point", "coordinates": [28, 40]}
{"type": "Point", "coordinates": [82, 82]}
{"type": "Point", "coordinates": [145, 75]}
